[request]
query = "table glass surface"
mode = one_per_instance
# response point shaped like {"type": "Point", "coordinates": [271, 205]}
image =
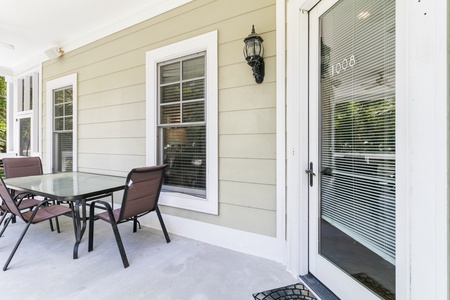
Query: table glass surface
{"type": "Point", "coordinates": [67, 186]}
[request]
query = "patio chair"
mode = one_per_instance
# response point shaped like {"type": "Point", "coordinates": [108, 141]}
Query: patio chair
{"type": "Point", "coordinates": [22, 166]}
{"type": "Point", "coordinates": [18, 167]}
{"type": "Point", "coordinates": [44, 211]}
{"type": "Point", "coordinates": [23, 203]}
{"type": "Point", "coordinates": [142, 189]}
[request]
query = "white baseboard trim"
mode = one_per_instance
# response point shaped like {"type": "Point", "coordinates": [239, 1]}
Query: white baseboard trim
{"type": "Point", "coordinates": [233, 239]}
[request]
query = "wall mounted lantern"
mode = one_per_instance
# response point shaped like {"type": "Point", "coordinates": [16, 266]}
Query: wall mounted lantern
{"type": "Point", "coordinates": [253, 53]}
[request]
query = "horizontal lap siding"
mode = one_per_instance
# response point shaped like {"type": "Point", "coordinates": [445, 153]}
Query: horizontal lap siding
{"type": "Point", "coordinates": [111, 104]}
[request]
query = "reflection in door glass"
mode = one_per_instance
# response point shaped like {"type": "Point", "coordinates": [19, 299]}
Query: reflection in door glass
{"type": "Point", "coordinates": [357, 145]}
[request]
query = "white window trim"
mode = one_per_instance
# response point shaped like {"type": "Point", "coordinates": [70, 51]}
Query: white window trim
{"type": "Point", "coordinates": [15, 113]}
{"type": "Point", "coordinates": [69, 80]}
{"type": "Point", "coordinates": [205, 42]}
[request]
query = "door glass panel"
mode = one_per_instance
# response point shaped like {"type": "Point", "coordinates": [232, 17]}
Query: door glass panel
{"type": "Point", "coordinates": [357, 142]}
{"type": "Point", "coordinates": [25, 136]}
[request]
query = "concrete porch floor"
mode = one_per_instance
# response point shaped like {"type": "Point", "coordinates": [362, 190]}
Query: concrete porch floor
{"type": "Point", "coordinates": [184, 269]}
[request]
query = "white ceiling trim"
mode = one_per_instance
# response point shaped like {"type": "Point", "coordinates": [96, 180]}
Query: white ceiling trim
{"type": "Point", "coordinates": [128, 19]}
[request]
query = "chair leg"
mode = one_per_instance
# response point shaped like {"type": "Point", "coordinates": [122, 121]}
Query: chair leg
{"type": "Point", "coordinates": [166, 234]}
{"type": "Point", "coordinates": [3, 217]}
{"type": "Point", "coordinates": [57, 225]}
{"type": "Point", "coordinates": [5, 225]}
{"type": "Point", "coordinates": [16, 246]}
{"type": "Point", "coordinates": [51, 225]}
{"type": "Point", "coordinates": [91, 229]}
{"type": "Point", "coordinates": [136, 223]}
{"type": "Point", "coordinates": [120, 245]}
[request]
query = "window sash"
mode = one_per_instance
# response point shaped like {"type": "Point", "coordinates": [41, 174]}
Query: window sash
{"type": "Point", "coordinates": [207, 43]}
{"type": "Point", "coordinates": [182, 124]}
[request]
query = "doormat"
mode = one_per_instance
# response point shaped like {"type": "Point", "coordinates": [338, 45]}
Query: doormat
{"type": "Point", "coordinates": [374, 286]}
{"type": "Point", "coordinates": [290, 292]}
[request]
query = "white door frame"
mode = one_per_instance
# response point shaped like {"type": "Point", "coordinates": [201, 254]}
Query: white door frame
{"type": "Point", "coordinates": [422, 145]}
{"type": "Point", "coordinates": [297, 136]}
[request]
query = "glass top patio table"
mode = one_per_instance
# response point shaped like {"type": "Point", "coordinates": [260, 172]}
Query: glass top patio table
{"type": "Point", "coordinates": [76, 187]}
{"type": "Point", "coordinates": [68, 186]}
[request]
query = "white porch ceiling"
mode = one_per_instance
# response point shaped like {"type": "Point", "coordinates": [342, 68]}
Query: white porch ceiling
{"type": "Point", "coordinates": [32, 27]}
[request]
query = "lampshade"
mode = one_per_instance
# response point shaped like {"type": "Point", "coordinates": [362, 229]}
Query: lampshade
{"type": "Point", "coordinates": [175, 136]}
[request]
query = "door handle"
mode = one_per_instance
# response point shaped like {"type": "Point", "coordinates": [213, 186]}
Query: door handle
{"type": "Point", "coordinates": [311, 174]}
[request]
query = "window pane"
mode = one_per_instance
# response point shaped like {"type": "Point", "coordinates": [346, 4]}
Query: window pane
{"type": "Point", "coordinates": [170, 93]}
{"type": "Point", "coordinates": [59, 124]}
{"type": "Point", "coordinates": [31, 93]}
{"type": "Point", "coordinates": [194, 112]}
{"type": "Point", "coordinates": [68, 123]}
{"type": "Point", "coordinates": [194, 89]}
{"type": "Point", "coordinates": [68, 109]}
{"type": "Point", "coordinates": [170, 73]}
{"type": "Point", "coordinates": [357, 139]}
{"type": "Point", "coordinates": [184, 150]}
{"type": "Point", "coordinates": [59, 111]}
{"type": "Point", "coordinates": [170, 114]}
{"type": "Point", "coordinates": [194, 68]}
{"type": "Point", "coordinates": [68, 95]}
{"type": "Point", "coordinates": [59, 97]}
{"type": "Point", "coordinates": [63, 152]}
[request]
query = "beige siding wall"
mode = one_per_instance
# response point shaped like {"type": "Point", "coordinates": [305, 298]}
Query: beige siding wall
{"type": "Point", "coordinates": [111, 104]}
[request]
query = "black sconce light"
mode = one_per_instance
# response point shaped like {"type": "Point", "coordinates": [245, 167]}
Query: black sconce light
{"type": "Point", "coordinates": [253, 53]}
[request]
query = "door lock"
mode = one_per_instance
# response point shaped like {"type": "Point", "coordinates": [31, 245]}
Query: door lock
{"type": "Point", "coordinates": [311, 173]}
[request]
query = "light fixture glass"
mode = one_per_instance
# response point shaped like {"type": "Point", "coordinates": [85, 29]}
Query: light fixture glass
{"type": "Point", "coordinates": [253, 53]}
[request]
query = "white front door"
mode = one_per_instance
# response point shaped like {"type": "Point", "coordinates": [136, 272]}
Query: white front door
{"type": "Point", "coordinates": [352, 147]}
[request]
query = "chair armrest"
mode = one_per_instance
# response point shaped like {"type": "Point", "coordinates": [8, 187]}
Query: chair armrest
{"type": "Point", "coordinates": [101, 202]}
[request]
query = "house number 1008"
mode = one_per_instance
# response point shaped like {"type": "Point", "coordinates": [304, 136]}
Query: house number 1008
{"type": "Point", "coordinates": [343, 65]}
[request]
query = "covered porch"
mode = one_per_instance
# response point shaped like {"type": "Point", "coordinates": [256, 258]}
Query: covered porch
{"type": "Point", "coordinates": [43, 267]}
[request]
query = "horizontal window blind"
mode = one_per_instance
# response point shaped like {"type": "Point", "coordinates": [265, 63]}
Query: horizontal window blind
{"type": "Point", "coordinates": [358, 122]}
{"type": "Point", "coordinates": [182, 124]}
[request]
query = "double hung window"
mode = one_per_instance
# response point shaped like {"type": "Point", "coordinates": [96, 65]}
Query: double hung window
{"type": "Point", "coordinates": [182, 121]}
{"type": "Point", "coordinates": [62, 124]}
{"type": "Point", "coordinates": [182, 124]}
{"type": "Point", "coordinates": [63, 129]}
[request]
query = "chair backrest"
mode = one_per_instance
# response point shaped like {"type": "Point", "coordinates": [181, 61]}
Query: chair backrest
{"type": "Point", "coordinates": [142, 190]}
{"type": "Point", "coordinates": [22, 166]}
{"type": "Point", "coordinates": [7, 199]}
